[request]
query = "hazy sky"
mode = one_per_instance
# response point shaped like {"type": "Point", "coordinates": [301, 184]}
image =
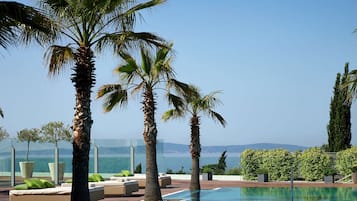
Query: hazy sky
{"type": "Point", "coordinates": [275, 61]}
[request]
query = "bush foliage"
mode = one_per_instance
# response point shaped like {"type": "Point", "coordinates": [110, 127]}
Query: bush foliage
{"type": "Point", "coordinates": [346, 160]}
{"type": "Point", "coordinates": [311, 164]}
{"type": "Point", "coordinates": [277, 163]}
{"type": "Point", "coordinates": [314, 163]}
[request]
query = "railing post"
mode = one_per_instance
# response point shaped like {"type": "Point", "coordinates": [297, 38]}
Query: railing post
{"type": "Point", "coordinates": [13, 165]}
{"type": "Point", "coordinates": [56, 176]}
{"type": "Point", "coordinates": [132, 158]}
{"type": "Point", "coordinates": [96, 159]}
{"type": "Point", "coordinates": [292, 183]}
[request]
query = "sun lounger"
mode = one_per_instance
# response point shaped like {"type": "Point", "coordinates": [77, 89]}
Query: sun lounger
{"type": "Point", "coordinates": [115, 188]}
{"type": "Point", "coordinates": [53, 194]}
{"type": "Point", "coordinates": [164, 180]}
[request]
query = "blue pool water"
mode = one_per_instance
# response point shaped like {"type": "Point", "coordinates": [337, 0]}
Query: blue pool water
{"type": "Point", "coordinates": [267, 194]}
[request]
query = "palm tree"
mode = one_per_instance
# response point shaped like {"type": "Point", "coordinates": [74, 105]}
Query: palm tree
{"type": "Point", "coordinates": [22, 23]}
{"type": "Point", "coordinates": [86, 24]}
{"type": "Point", "coordinates": [195, 104]}
{"type": "Point", "coordinates": [145, 78]}
{"type": "Point", "coordinates": [351, 84]}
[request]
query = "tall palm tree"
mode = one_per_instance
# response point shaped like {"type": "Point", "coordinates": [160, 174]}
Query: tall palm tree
{"type": "Point", "coordinates": [351, 84]}
{"type": "Point", "coordinates": [195, 104]}
{"type": "Point", "coordinates": [22, 23]}
{"type": "Point", "coordinates": [145, 78]}
{"type": "Point", "coordinates": [86, 24]}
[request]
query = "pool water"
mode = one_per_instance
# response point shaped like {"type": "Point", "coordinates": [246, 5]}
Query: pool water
{"type": "Point", "coordinates": [267, 194]}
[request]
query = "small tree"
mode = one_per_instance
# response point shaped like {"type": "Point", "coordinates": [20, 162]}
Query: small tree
{"type": "Point", "coordinates": [138, 168]}
{"type": "Point", "coordinates": [28, 135]}
{"type": "Point", "coordinates": [53, 132]}
{"type": "Point", "coordinates": [3, 134]}
{"type": "Point", "coordinates": [221, 166]}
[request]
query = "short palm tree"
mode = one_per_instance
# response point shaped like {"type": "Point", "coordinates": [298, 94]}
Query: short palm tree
{"type": "Point", "coordinates": [21, 23]}
{"type": "Point", "coordinates": [145, 78]}
{"type": "Point", "coordinates": [85, 24]}
{"type": "Point", "coordinates": [195, 104]}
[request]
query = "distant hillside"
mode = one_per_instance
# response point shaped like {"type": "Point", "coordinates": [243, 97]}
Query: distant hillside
{"type": "Point", "coordinates": [180, 148]}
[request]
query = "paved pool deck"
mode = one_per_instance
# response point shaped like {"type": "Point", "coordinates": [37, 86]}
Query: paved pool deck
{"type": "Point", "coordinates": [182, 184]}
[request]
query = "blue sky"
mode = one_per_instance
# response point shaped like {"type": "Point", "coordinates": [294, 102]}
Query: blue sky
{"type": "Point", "coordinates": [275, 61]}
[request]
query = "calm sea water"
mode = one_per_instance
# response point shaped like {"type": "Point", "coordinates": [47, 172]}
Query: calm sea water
{"type": "Point", "coordinates": [114, 164]}
{"type": "Point", "coordinates": [114, 156]}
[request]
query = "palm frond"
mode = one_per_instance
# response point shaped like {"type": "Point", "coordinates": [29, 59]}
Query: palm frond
{"type": "Point", "coordinates": [146, 62]}
{"type": "Point", "coordinates": [210, 100]}
{"type": "Point", "coordinates": [22, 23]}
{"type": "Point", "coordinates": [161, 54]}
{"type": "Point", "coordinates": [171, 114]}
{"type": "Point", "coordinates": [127, 71]}
{"type": "Point", "coordinates": [1, 113]}
{"type": "Point", "coordinates": [351, 85]}
{"type": "Point", "coordinates": [176, 101]}
{"type": "Point", "coordinates": [216, 116]}
{"type": "Point", "coordinates": [142, 6]}
{"type": "Point", "coordinates": [138, 88]}
{"type": "Point", "coordinates": [57, 57]}
{"type": "Point", "coordinates": [129, 39]}
{"type": "Point", "coordinates": [162, 64]}
{"type": "Point", "coordinates": [188, 92]}
{"type": "Point", "coordinates": [114, 95]}
{"type": "Point", "coordinates": [127, 18]}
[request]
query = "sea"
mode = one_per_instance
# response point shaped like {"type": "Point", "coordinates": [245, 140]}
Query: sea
{"type": "Point", "coordinates": [114, 164]}
{"type": "Point", "coordinates": [111, 159]}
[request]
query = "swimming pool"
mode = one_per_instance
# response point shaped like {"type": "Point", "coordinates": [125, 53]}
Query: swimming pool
{"type": "Point", "coordinates": [267, 194]}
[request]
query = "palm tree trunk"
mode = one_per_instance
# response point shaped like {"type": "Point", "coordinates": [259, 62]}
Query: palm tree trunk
{"type": "Point", "coordinates": [83, 80]}
{"type": "Point", "coordinates": [195, 149]}
{"type": "Point", "coordinates": [152, 188]}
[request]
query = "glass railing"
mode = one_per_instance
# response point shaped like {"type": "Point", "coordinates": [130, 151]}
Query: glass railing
{"type": "Point", "coordinates": [107, 156]}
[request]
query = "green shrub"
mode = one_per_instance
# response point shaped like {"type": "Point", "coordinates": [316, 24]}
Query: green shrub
{"type": "Point", "coordinates": [345, 160]}
{"type": "Point", "coordinates": [279, 163]}
{"type": "Point", "coordinates": [95, 178]}
{"type": "Point", "coordinates": [34, 183]}
{"type": "Point", "coordinates": [124, 173]}
{"type": "Point", "coordinates": [181, 171]}
{"type": "Point", "coordinates": [21, 187]}
{"type": "Point", "coordinates": [138, 168]}
{"type": "Point", "coordinates": [314, 163]}
{"type": "Point", "coordinates": [234, 171]}
{"type": "Point", "coordinates": [207, 169]}
{"type": "Point", "coordinates": [250, 161]}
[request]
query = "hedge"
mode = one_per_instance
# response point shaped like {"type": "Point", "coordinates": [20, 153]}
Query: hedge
{"type": "Point", "coordinates": [314, 162]}
{"type": "Point", "coordinates": [278, 163]}
{"type": "Point", "coordinates": [250, 163]}
{"type": "Point", "coordinates": [345, 160]}
{"type": "Point", "coordinates": [311, 164]}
